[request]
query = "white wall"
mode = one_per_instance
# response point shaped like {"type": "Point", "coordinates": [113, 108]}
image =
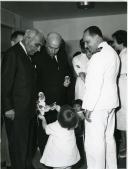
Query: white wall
{"type": "Point", "coordinates": [26, 24]}
{"type": "Point", "coordinates": [10, 19]}
{"type": "Point", "coordinates": [72, 29]}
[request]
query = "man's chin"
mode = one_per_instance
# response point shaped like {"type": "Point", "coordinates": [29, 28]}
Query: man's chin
{"type": "Point", "coordinates": [52, 56]}
{"type": "Point", "coordinates": [32, 53]}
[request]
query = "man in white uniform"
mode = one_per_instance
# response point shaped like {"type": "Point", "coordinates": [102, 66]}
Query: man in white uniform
{"type": "Point", "coordinates": [100, 101]}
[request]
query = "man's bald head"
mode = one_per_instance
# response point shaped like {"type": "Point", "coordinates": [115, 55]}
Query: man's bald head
{"type": "Point", "coordinates": [54, 37]}
{"type": "Point", "coordinates": [53, 42]}
{"type": "Point", "coordinates": [33, 40]}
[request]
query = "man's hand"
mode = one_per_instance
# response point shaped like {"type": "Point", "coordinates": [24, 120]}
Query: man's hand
{"type": "Point", "coordinates": [82, 75]}
{"type": "Point", "coordinates": [88, 115]}
{"type": "Point", "coordinates": [10, 114]}
{"type": "Point", "coordinates": [58, 108]}
{"type": "Point", "coordinates": [67, 81]}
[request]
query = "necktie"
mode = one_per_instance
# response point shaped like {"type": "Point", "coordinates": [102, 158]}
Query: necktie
{"type": "Point", "coordinates": [55, 61]}
{"type": "Point", "coordinates": [29, 58]}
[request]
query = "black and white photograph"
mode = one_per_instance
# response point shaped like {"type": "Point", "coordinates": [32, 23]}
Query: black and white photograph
{"type": "Point", "coordinates": [63, 84]}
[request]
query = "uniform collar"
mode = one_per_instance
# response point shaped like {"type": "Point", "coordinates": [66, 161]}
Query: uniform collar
{"type": "Point", "coordinates": [102, 44]}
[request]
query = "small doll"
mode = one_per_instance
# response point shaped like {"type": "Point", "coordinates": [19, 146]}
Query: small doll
{"type": "Point", "coordinates": [42, 106]}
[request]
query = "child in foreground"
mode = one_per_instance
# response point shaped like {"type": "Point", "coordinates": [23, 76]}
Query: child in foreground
{"type": "Point", "coordinates": [61, 151]}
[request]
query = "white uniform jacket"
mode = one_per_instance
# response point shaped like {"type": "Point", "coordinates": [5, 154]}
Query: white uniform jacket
{"type": "Point", "coordinates": [80, 63]}
{"type": "Point", "coordinates": [101, 80]}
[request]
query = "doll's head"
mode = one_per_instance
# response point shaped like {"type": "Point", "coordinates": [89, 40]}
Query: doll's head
{"type": "Point", "coordinates": [77, 105]}
{"type": "Point", "coordinates": [41, 96]}
{"type": "Point", "coordinates": [67, 117]}
{"type": "Point", "coordinates": [41, 103]}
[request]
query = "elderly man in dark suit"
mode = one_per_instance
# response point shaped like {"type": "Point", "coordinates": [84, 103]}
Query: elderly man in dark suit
{"type": "Point", "coordinates": [53, 78]}
{"type": "Point", "coordinates": [19, 97]}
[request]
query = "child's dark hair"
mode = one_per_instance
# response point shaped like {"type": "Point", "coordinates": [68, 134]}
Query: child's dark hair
{"type": "Point", "coordinates": [67, 117]}
{"type": "Point", "coordinates": [77, 101]}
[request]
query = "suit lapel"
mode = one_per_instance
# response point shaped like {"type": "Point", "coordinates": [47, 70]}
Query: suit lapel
{"type": "Point", "coordinates": [22, 52]}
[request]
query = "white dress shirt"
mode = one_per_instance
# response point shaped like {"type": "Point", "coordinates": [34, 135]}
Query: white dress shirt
{"type": "Point", "coordinates": [22, 45]}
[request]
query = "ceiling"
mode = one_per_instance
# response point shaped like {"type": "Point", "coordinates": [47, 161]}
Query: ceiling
{"type": "Point", "coordinates": [40, 10]}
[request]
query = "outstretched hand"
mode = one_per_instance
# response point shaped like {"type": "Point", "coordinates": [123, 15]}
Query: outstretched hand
{"type": "Point", "coordinates": [10, 114]}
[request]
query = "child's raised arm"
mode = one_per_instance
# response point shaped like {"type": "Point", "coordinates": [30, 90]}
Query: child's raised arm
{"type": "Point", "coordinates": [44, 123]}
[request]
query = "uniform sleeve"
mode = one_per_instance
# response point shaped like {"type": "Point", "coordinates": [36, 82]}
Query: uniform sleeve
{"type": "Point", "coordinates": [93, 84]}
{"type": "Point", "coordinates": [8, 73]}
{"type": "Point", "coordinates": [76, 66]}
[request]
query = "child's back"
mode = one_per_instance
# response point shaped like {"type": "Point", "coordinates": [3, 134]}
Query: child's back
{"type": "Point", "coordinates": [61, 149]}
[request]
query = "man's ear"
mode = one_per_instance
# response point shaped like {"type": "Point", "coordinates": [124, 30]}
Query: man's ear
{"type": "Point", "coordinates": [27, 34]}
{"type": "Point", "coordinates": [97, 37]}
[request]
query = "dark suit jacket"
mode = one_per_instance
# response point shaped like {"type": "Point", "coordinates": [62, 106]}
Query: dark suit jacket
{"type": "Point", "coordinates": [50, 78]}
{"type": "Point", "coordinates": [18, 82]}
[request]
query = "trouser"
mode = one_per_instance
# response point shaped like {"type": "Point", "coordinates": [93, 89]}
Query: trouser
{"type": "Point", "coordinates": [32, 142]}
{"type": "Point", "coordinates": [79, 133]}
{"type": "Point", "coordinates": [100, 144]}
{"type": "Point", "coordinates": [22, 141]}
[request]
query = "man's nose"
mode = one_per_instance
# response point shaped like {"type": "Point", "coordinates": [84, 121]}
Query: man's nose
{"type": "Point", "coordinates": [86, 46]}
{"type": "Point", "coordinates": [53, 51]}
